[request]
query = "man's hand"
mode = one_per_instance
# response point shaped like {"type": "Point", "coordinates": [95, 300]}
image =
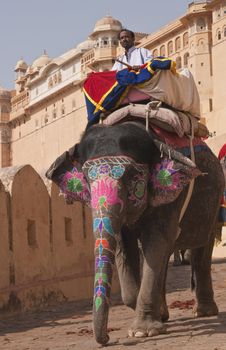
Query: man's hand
{"type": "Point", "coordinates": [136, 68]}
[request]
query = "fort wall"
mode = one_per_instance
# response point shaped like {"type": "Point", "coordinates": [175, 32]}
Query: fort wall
{"type": "Point", "coordinates": [46, 250]}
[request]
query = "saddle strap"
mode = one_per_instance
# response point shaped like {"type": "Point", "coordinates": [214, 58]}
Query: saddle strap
{"type": "Point", "coordinates": [191, 185]}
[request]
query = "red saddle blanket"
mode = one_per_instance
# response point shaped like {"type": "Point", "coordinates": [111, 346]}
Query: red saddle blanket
{"type": "Point", "coordinates": [181, 144]}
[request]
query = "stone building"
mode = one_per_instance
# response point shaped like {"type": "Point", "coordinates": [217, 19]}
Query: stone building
{"type": "Point", "coordinates": [47, 246]}
{"type": "Point", "coordinates": [46, 114]}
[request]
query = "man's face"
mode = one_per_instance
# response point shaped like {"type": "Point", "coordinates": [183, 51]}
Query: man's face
{"type": "Point", "coordinates": [126, 40]}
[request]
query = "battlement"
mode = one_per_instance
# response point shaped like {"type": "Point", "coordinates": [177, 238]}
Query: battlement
{"type": "Point", "coordinates": [46, 251]}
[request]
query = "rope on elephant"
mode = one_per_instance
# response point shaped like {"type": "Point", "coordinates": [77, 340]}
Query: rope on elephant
{"type": "Point", "coordinates": [150, 106]}
{"type": "Point", "coordinates": [191, 184]}
{"type": "Point", "coordinates": [172, 153]}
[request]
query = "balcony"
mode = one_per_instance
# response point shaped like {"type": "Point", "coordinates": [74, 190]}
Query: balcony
{"type": "Point", "coordinates": [19, 103]}
{"type": "Point", "coordinates": [97, 56]}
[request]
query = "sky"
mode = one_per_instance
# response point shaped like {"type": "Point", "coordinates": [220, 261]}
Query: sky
{"type": "Point", "coordinates": [28, 27]}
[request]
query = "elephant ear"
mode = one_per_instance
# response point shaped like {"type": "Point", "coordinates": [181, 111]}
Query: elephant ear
{"type": "Point", "coordinates": [66, 173]}
{"type": "Point", "coordinates": [168, 178]}
{"type": "Point", "coordinates": [74, 186]}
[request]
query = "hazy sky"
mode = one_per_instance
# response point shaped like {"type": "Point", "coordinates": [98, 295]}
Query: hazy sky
{"type": "Point", "coordinates": [28, 27]}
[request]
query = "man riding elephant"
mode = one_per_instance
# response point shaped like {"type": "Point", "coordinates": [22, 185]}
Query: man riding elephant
{"type": "Point", "coordinates": [133, 57]}
{"type": "Point", "coordinates": [116, 162]}
{"type": "Point", "coordinates": [144, 195]}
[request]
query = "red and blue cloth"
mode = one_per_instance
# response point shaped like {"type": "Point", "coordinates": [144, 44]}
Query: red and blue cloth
{"type": "Point", "coordinates": [105, 90]}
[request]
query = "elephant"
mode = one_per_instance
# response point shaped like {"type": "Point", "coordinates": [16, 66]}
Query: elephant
{"type": "Point", "coordinates": [138, 234]}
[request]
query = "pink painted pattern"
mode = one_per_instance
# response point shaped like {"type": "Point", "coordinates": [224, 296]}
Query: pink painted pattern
{"type": "Point", "coordinates": [104, 192]}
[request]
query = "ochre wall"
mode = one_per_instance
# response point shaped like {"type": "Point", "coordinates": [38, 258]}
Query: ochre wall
{"type": "Point", "coordinates": [39, 141]}
{"type": "Point", "coordinates": [47, 246]}
{"type": "Point", "coordinates": [4, 246]}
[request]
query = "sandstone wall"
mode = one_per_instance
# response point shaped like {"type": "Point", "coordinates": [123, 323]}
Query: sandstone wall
{"type": "Point", "coordinates": [46, 250]}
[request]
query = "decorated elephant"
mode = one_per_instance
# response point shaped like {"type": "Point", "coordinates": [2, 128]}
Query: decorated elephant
{"type": "Point", "coordinates": [137, 192]}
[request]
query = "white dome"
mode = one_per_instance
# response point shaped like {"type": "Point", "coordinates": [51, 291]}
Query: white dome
{"type": "Point", "coordinates": [21, 65]}
{"type": "Point", "coordinates": [42, 61]}
{"type": "Point", "coordinates": [107, 23]}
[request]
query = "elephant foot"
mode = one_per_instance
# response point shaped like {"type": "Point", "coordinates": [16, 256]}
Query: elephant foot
{"type": "Point", "coordinates": [146, 328]}
{"type": "Point", "coordinates": [103, 340]}
{"type": "Point", "coordinates": [206, 310]}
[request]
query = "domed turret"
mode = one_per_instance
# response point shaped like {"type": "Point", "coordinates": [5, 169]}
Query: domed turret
{"type": "Point", "coordinates": [107, 23]}
{"type": "Point", "coordinates": [105, 37]}
{"type": "Point", "coordinates": [42, 61]}
{"type": "Point", "coordinates": [20, 69]}
{"type": "Point", "coordinates": [21, 66]}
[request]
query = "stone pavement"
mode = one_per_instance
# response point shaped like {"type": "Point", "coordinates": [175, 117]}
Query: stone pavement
{"type": "Point", "coordinates": [220, 250]}
{"type": "Point", "coordinates": [68, 326]}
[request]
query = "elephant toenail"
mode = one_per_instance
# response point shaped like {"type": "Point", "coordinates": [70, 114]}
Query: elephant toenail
{"type": "Point", "coordinates": [153, 332]}
{"type": "Point", "coordinates": [140, 334]}
{"type": "Point", "coordinates": [130, 333]}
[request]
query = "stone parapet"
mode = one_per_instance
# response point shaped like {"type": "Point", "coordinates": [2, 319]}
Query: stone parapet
{"type": "Point", "coordinates": [46, 251]}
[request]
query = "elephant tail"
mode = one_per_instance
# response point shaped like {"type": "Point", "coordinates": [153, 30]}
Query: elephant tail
{"type": "Point", "coordinates": [192, 277]}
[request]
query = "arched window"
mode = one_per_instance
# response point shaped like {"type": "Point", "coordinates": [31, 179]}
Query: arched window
{"type": "Point", "coordinates": [201, 44]}
{"type": "Point", "coordinates": [218, 13]}
{"type": "Point", "coordinates": [185, 39]}
{"type": "Point", "coordinates": [186, 55]}
{"type": "Point", "coordinates": [178, 43]}
{"type": "Point", "coordinates": [155, 53]}
{"type": "Point", "coordinates": [218, 35]}
{"type": "Point", "coordinates": [105, 41]}
{"type": "Point", "coordinates": [54, 113]}
{"type": "Point", "coordinates": [178, 62]}
{"type": "Point", "coordinates": [162, 50]}
{"type": "Point", "coordinates": [170, 48]}
{"type": "Point", "coordinates": [63, 109]}
{"type": "Point", "coordinates": [201, 24]}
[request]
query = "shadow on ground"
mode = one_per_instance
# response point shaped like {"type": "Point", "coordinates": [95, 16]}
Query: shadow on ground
{"type": "Point", "coordinates": [79, 314]}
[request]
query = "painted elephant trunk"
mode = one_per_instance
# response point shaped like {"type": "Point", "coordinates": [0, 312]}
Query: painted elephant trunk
{"type": "Point", "coordinates": [109, 190]}
{"type": "Point", "coordinates": [105, 246]}
{"type": "Point", "coordinates": [106, 210]}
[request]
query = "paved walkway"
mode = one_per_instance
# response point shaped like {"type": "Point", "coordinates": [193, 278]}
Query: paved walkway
{"type": "Point", "coordinates": [220, 250]}
{"type": "Point", "coordinates": [69, 326]}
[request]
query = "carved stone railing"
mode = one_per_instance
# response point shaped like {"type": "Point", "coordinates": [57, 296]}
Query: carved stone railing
{"type": "Point", "coordinates": [19, 102]}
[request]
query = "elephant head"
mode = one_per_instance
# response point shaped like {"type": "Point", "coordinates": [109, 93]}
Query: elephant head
{"type": "Point", "coordinates": [118, 188]}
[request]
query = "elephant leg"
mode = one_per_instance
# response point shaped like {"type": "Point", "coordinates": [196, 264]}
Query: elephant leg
{"type": "Point", "coordinates": [148, 319]}
{"type": "Point", "coordinates": [128, 263]}
{"type": "Point", "coordinates": [201, 264]}
{"type": "Point", "coordinates": [164, 312]}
